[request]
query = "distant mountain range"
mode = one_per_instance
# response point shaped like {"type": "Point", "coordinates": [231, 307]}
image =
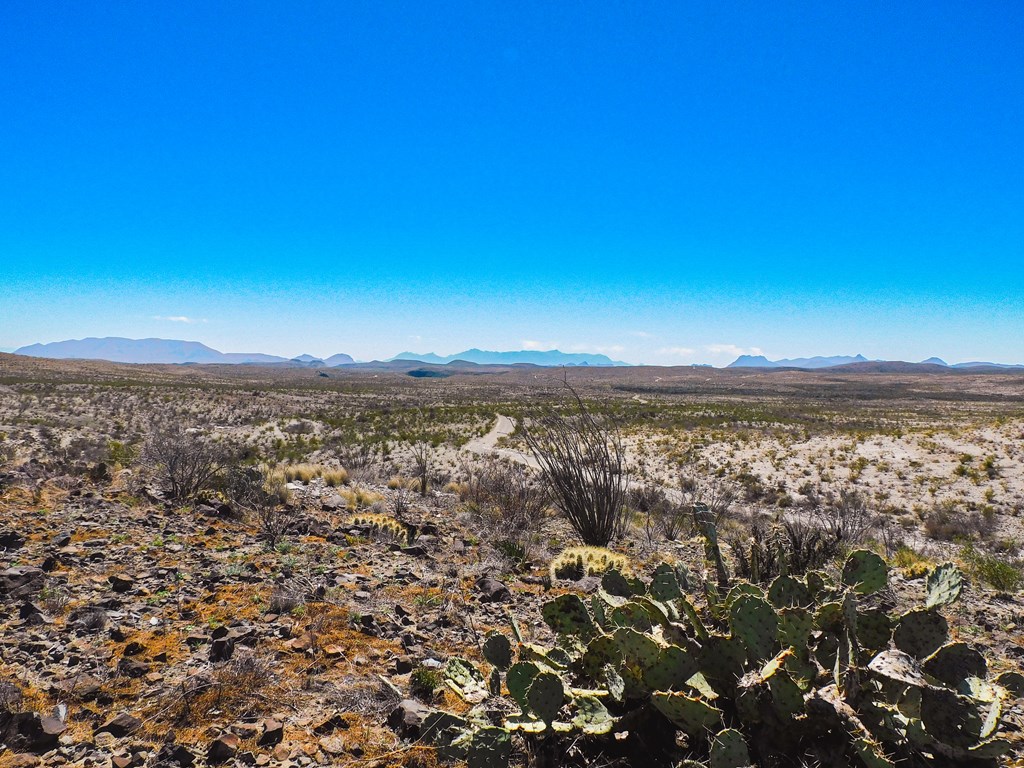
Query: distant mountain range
{"type": "Point", "coordinates": [166, 351]}
{"type": "Point", "coordinates": [173, 351]}
{"type": "Point", "coordinates": [857, 361]}
{"type": "Point", "coordinates": [551, 357]}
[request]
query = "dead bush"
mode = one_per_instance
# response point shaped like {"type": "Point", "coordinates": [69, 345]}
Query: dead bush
{"type": "Point", "coordinates": [510, 502]}
{"type": "Point", "coordinates": [183, 461]}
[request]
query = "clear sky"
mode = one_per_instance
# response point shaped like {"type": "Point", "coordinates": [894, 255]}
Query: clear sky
{"type": "Point", "coordinates": [665, 182]}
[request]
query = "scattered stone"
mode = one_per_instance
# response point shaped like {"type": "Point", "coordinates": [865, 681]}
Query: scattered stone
{"type": "Point", "coordinates": [121, 582]}
{"type": "Point", "coordinates": [120, 725]}
{"type": "Point", "coordinates": [20, 581]}
{"type": "Point", "coordinates": [492, 590]}
{"type": "Point", "coordinates": [407, 717]}
{"type": "Point", "coordinates": [222, 749]}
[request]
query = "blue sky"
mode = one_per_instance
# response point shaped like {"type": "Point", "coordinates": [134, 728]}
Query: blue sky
{"type": "Point", "coordinates": [664, 182]}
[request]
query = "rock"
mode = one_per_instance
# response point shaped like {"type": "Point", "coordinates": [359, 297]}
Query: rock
{"type": "Point", "coordinates": [282, 752]}
{"type": "Point", "coordinates": [175, 754]}
{"type": "Point", "coordinates": [23, 760]}
{"type": "Point", "coordinates": [222, 749]}
{"type": "Point", "coordinates": [30, 731]}
{"type": "Point", "coordinates": [492, 590]}
{"type": "Point", "coordinates": [120, 725]}
{"type": "Point", "coordinates": [407, 717]}
{"type": "Point", "coordinates": [273, 732]}
{"type": "Point", "coordinates": [403, 665]}
{"type": "Point", "coordinates": [20, 581]}
{"type": "Point", "coordinates": [222, 648]}
{"type": "Point", "coordinates": [333, 503]}
{"type": "Point", "coordinates": [11, 540]}
{"type": "Point", "coordinates": [121, 582]}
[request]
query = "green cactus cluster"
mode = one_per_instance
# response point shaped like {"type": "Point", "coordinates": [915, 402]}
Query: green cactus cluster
{"type": "Point", "coordinates": [573, 563]}
{"type": "Point", "coordinates": [380, 525]}
{"type": "Point", "coordinates": [809, 669]}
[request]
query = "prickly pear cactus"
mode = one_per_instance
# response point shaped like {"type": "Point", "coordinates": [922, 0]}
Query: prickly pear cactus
{"type": "Point", "coordinates": [807, 666]}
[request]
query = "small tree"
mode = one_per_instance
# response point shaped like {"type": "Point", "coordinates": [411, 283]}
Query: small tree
{"type": "Point", "coordinates": [583, 462]}
{"type": "Point", "coordinates": [185, 463]}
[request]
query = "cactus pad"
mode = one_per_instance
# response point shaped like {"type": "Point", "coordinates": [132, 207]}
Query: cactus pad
{"type": "Point", "coordinates": [601, 651]}
{"type": "Point", "coordinates": [721, 661]}
{"type": "Point", "coordinates": [754, 622]}
{"type": "Point", "coordinates": [788, 592]}
{"type": "Point", "coordinates": [498, 650]}
{"type": "Point", "coordinates": [672, 669]}
{"type": "Point", "coordinates": [954, 663]}
{"type": "Point", "coordinates": [690, 715]}
{"type": "Point", "coordinates": [545, 696]}
{"type": "Point", "coordinates": [592, 718]}
{"type": "Point", "coordinates": [921, 632]}
{"type": "Point", "coordinates": [729, 750]}
{"type": "Point", "coordinates": [567, 615]}
{"type": "Point", "coordinates": [874, 629]}
{"type": "Point", "coordinates": [519, 678]}
{"type": "Point", "coordinates": [665, 584]}
{"type": "Point", "coordinates": [638, 649]}
{"type": "Point", "coordinates": [465, 680]}
{"type": "Point", "coordinates": [944, 584]}
{"type": "Point", "coordinates": [865, 571]}
{"type": "Point", "coordinates": [490, 747]}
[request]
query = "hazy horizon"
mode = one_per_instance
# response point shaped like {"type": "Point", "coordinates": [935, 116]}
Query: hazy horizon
{"type": "Point", "coordinates": [662, 184]}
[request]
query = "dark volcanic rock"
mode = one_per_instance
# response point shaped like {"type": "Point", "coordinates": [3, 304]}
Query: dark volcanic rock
{"type": "Point", "coordinates": [20, 581]}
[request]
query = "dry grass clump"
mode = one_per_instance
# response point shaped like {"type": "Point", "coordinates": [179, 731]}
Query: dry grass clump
{"type": "Point", "coordinates": [247, 685]}
{"type": "Point", "coordinates": [397, 482]}
{"type": "Point", "coordinates": [576, 562]}
{"type": "Point", "coordinates": [360, 498]}
{"type": "Point", "coordinates": [304, 473]}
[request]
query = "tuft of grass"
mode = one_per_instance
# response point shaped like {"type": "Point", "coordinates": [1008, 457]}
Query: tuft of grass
{"type": "Point", "coordinates": [304, 473]}
{"type": "Point", "coordinates": [913, 563]}
{"type": "Point", "coordinates": [994, 571]}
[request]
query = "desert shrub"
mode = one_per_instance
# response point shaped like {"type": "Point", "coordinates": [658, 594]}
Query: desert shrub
{"type": "Point", "coordinates": [946, 522]}
{"type": "Point", "coordinates": [304, 473]}
{"type": "Point", "coordinates": [715, 493]}
{"type": "Point", "coordinates": [186, 463]}
{"type": "Point", "coordinates": [583, 463]}
{"type": "Point", "coordinates": [510, 504]}
{"type": "Point", "coordinates": [994, 571]}
{"type": "Point", "coordinates": [424, 681]}
{"type": "Point", "coordinates": [241, 687]}
{"type": "Point", "coordinates": [848, 516]}
{"type": "Point", "coordinates": [660, 514]}
{"type": "Point", "coordinates": [913, 563]}
{"type": "Point", "coordinates": [121, 454]}
{"type": "Point", "coordinates": [259, 494]}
